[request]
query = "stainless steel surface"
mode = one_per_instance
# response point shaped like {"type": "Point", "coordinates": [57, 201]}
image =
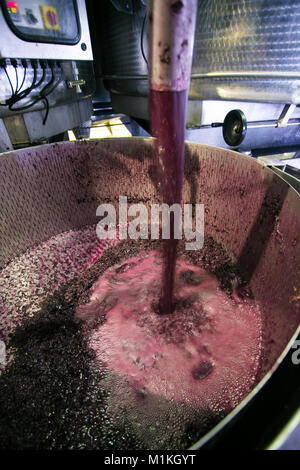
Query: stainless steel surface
{"type": "Point", "coordinates": [293, 441]}
{"type": "Point", "coordinates": [13, 47]}
{"type": "Point", "coordinates": [72, 63]}
{"type": "Point", "coordinates": [120, 38]}
{"type": "Point", "coordinates": [16, 129]}
{"type": "Point", "coordinates": [240, 36]}
{"type": "Point", "coordinates": [285, 115]}
{"type": "Point", "coordinates": [246, 50]}
{"type": "Point", "coordinates": [67, 106]}
{"type": "Point", "coordinates": [22, 130]}
{"type": "Point", "coordinates": [60, 95]}
{"type": "Point", "coordinates": [53, 188]}
{"type": "Point", "coordinates": [256, 138]}
{"type": "Point", "coordinates": [5, 142]}
{"type": "Point", "coordinates": [294, 182]}
{"type": "Point", "coordinates": [253, 111]}
{"type": "Point", "coordinates": [261, 79]}
{"type": "Point", "coordinates": [204, 112]}
{"type": "Point", "coordinates": [60, 119]}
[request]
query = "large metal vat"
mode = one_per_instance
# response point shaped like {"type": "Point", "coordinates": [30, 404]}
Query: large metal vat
{"type": "Point", "coordinates": [252, 212]}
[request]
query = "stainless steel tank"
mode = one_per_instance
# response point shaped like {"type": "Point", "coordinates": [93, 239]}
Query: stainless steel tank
{"type": "Point", "coordinates": [246, 51]}
{"type": "Point", "coordinates": [52, 189]}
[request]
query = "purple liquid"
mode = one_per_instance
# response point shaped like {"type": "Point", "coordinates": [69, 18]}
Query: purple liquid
{"type": "Point", "coordinates": [168, 117]}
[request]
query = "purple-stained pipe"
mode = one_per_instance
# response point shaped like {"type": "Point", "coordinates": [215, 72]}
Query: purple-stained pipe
{"type": "Point", "coordinates": [172, 30]}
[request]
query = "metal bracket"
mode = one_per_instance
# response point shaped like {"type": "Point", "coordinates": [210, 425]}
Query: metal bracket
{"type": "Point", "coordinates": [285, 115]}
{"type": "Point", "coordinates": [75, 83]}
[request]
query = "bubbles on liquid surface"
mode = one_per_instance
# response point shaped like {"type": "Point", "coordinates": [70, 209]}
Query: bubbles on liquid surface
{"type": "Point", "coordinates": [191, 366]}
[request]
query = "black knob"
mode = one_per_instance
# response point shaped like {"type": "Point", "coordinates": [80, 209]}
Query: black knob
{"type": "Point", "coordinates": [234, 128]}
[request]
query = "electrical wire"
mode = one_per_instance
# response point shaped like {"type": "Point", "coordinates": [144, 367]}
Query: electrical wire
{"type": "Point", "coordinates": [3, 64]}
{"type": "Point", "coordinates": [39, 97]}
{"type": "Point", "coordinates": [41, 79]}
{"type": "Point", "coordinates": [23, 93]}
{"type": "Point", "coordinates": [42, 92]}
{"type": "Point", "coordinates": [23, 80]}
{"type": "Point", "coordinates": [18, 95]}
{"type": "Point", "coordinates": [45, 100]}
{"type": "Point", "coordinates": [142, 40]}
{"type": "Point", "coordinates": [42, 96]}
{"type": "Point", "coordinates": [17, 80]}
{"type": "Point", "coordinates": [26, 92]}
{"type": "Point", "coordinates": [9, 80]}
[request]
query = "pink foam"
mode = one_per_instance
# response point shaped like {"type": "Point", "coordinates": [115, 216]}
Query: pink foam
{"type": "Point", "coordinates": [202, 354]}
